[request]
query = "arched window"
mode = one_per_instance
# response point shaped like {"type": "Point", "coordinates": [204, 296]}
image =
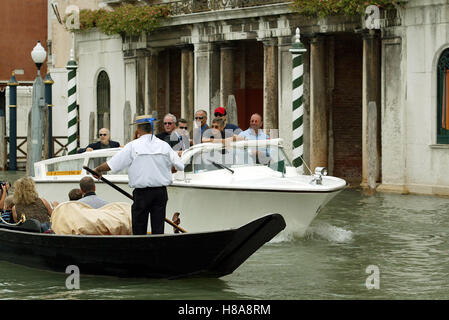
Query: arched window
{"type": "Point", "coordinates": [443, 98]}
{"type": "Point", "coordinates": [103, 101]}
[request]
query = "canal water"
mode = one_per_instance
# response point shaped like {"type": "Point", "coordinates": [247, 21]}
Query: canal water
{"type": "Point", "coordinates": [385, 246]}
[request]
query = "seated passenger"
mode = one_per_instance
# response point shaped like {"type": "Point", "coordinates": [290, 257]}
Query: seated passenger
{"type": "Point", "coordinates": [87, 186]}
{"type": "Point", "coordinates": [7, 209]}
{"type": "Point", "coordinates": [75, 194]}
{"type": "Point", "coordinates": [255, 131]}
{"type": "Point", "coordinates": [28, 203]}
{"type": "Point", "coordinates": [221, 113]}
{"type": "Point", "coordinates": [104, 143]}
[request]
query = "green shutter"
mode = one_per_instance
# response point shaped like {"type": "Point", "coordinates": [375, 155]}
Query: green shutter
{"type": "Point", "coordinates": [443, 66]}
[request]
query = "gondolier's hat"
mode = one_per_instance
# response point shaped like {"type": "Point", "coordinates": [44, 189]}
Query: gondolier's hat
{"type": "Point", "coordinates": [146, 118]}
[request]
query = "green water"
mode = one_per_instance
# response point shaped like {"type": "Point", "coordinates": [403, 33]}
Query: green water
{"type": "Point", "coordinates": [404, 236]}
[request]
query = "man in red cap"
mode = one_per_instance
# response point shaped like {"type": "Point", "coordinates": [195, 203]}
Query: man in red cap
{"type": "Point", "coordinates": [229, 129]}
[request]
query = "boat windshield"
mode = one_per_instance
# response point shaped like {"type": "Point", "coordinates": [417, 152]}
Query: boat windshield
{"type": "Point", "coordinates": [272, 156]}
{"type": "Point", "coordinates": [95, 162]}
{"type": "Point", "coordinates": [69, 167]}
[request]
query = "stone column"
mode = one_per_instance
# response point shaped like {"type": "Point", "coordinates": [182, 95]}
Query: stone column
{"type": "Point", "coordinates": [226, 73]}
{"type": "Point", "coordinates": [371, 93]}
{"type": "Point", "coordinates": [207, 77]}
{"type": "Point", "coordinates": [140, 81]}
{"type": "Point", "coordinates": [318, 107]}
{"type": "Point", "coordinates": [187, 86]}
{"type": "Point", "coordinates": [270, 85]}
{"type": "Point", "coordinates": [152, 82]}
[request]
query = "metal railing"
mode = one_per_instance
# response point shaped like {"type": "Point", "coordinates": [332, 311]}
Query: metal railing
{"type": "Point", "coordinates": [180, 7]}
{"type": "Point", "coordinates": [59, 148]}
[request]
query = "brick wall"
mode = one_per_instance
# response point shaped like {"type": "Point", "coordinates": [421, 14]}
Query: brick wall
{"type": "Point", "coordinates": [23, 23]}
{"type": "Point", "coordinates": [347, 108]}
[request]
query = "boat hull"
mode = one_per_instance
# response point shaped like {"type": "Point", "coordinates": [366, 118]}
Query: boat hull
{"type": "Point", "coordinates": [204, 209]}
{"type": "Point", "coordinates": [208, 254]}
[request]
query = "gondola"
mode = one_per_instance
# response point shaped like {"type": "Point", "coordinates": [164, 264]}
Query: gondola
{"type": "Point", "coordinates": [203, 254]}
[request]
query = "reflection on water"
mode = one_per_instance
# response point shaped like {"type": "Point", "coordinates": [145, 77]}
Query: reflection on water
{"type": "Point", "coordinates": [405, 236]}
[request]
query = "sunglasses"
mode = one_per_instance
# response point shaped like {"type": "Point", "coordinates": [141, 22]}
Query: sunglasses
{"type": "Point", "coordinates": [219, 114]}
{"type": "Point", "coordinates": [215, 127]}
{"type": "Point", "coordinates": [199, 118]}
{"type": "Point", "coordinates": [165, 123]}
{"type": "Point", "coordinates": [183, 127]}
{"type": "Point", "coordinates": [103, 134]}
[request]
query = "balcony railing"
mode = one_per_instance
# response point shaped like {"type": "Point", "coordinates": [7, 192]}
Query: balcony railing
{"type": "Point", "coordinates": [180, 7]}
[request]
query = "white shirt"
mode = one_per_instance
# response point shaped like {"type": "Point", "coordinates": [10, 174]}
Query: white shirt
{"type": "Point", "coordinates": [250, 134]}
{"type": "Point", "coordinates": [149, 160]}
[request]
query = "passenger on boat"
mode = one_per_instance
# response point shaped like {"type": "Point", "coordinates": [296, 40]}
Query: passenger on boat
{"type": "Point", "coordinates": [87, 186]}
{"type": "Point", "coordinates": [4, 193]}
{"type": "Point", "coordinates": [255, 131]}
{"type": "Point", "coordinates": [183, 136]}
{"type": "Point", "coordinates": [150, 164]}
{"type": "Point", "coordinates": [218, 133]}
{"type": "Point", "coordinates": [104, 143]}
{"type": "Point", "coordinates": [229, 128]}
{"type": "Point", "coordinates": [7, 209]}
{"type": "Point", "coordinates": [170, 134]}
{"type": "Point", "coordinates": [27, 202]}
{"type": "Point", "coordinates": [201, 120]}
{"type": "Point", "coordinates": [75, 194]}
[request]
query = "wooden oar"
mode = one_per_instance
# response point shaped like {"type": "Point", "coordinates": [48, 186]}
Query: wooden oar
{"type": "Point", "coordinates": [174, 225]}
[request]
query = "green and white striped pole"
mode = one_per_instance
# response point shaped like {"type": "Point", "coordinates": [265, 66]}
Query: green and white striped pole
{"type": "Point", "coordinates": [71, 105]}
{"type": "Point", "coordinates": [297, 51]}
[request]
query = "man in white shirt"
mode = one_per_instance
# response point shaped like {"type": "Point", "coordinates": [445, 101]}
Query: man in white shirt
{"type": "Point", "coordinates": [150, 162]}
{"type": "Point", "coordinates": [254, 132]}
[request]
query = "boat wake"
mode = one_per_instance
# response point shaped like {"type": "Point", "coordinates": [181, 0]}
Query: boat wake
{"type": "Point", "coordinates": [329, 232]}
{"type": "Point", "coordinates": [317, 231]}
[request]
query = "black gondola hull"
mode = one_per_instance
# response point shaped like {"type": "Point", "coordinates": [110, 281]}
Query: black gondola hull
{"type": "Point", "coordinates": [208, 254]}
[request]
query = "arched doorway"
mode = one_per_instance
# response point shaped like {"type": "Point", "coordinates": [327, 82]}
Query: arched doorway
{"type": "Point", "coordinates": [103, 101]}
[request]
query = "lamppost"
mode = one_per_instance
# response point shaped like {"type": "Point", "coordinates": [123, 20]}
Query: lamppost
{"type": "Point", "coordinates": [38, 108]}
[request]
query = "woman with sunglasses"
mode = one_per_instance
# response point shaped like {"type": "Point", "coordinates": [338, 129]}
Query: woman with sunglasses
{"type": "Point", "coordinates": [105, 142]}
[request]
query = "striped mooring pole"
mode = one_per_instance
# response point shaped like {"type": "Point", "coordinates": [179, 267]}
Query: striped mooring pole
{"type": "Point", "coordinates": [71, 105]}
{"type": "Point", "coordinates": [297, 51]}
{"type": "Point", "coordinates": [13, 122]}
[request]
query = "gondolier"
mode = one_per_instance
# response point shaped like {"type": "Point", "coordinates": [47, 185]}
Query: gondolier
{"type": "Point", "coordinates": [150, 162]}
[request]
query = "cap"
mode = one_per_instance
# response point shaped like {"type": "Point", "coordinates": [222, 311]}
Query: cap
{"type": "Point", "coordinates": [220, 110]}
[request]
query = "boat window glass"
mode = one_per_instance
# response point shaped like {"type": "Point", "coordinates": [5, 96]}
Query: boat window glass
{"type": "Point", "coordinates": [188, 166]}
{"type": "Point", "coordinates": [95, 162]}
{"type": "Point", "coordinates": [67, 167]}
{"type": "Point", "coordinates": [278, 160]}
{"type": "Point", "coordinates": [272, 156]}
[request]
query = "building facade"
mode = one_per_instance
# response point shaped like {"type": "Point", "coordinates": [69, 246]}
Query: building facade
{"type": "Point", "coordinates": [375, 98]}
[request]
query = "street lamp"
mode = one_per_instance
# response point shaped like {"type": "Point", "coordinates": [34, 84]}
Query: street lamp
{"type": "Point", "coordinates": [38, 109]}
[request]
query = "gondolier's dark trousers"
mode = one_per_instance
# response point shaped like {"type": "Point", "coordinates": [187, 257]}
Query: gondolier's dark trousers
{"type": "Point", "coordinates": [153, 201]}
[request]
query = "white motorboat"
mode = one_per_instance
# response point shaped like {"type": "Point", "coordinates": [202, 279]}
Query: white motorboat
{"type": "Point", "coordinates": [222, 186]}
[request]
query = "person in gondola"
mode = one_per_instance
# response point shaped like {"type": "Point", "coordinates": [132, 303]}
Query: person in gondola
{"type": "Point", "coordinates": [7, 209]}
{"type": "Point", "coordinates": [87, 186]}
{"type": "Point", "coordinates": [75, 194]}
{"type": "Point", "coordinates": [28, 202]}
{"type": "Point", "coordinates": [150, 162]}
